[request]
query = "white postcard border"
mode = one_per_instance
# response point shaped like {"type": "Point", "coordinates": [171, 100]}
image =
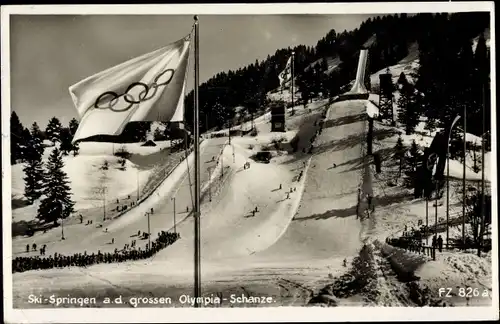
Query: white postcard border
{"type": "Point", "coordinates": [291, 314]}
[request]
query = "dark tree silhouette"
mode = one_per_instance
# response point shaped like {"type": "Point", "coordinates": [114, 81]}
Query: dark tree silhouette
{"type": "Point", "coordinates": [33, 170]}
{"type": "Point", "coordinates": [57, 201]}
{"type": "Point", "coordinates": [16, 138]}
{"type": "Point", "coordinates": [53, 130]}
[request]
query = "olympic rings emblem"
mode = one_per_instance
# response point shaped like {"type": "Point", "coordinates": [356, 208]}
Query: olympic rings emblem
{"type": "Point", "coordinates": [285, 72]}
{"type": "Point", "coordinates": [109, 99]}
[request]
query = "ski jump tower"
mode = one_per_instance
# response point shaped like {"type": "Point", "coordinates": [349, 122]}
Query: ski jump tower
{"type": "Point", "coordinates": [358, 90]}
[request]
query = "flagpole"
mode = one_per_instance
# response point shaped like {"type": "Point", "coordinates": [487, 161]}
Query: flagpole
{"type": "Point", "coordinates": [436, 218]}
{"type": "Point", "coordinates": [293, 63]}
{"type": "Point", "coordinates": [197, 258]}
{"type": "Point", "coordinates": [463, 180]}
{"type": "Point", "coordinates": [448, 180]}
{"type": "Point", "coordinates": [426, 219]}
{"type": "Point", "coordinates": [448, 192]}
{"type": "Point", "coordinates": [483, 198]}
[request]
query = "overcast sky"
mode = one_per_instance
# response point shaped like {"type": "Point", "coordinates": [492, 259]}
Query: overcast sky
{"type": "Point", "coordinates": [50, 53]}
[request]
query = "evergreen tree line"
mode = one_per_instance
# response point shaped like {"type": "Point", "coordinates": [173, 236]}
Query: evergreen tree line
{"type": "Point", "coordinates": [450, 75]}
{"type": "Point", "coordinates": [24, 141]}
{"type": "Point", "coordinates": [46, 181]}
{"type": "Point", "coordinates": [447, 79]}
{"type": "Point", "coordinates": [451, 78]}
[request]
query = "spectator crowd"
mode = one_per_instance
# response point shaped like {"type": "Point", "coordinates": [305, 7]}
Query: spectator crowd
{"type": "Point", "coordinates": [164, 239]}
{"type": "Point", "coordinates": [412, 240]}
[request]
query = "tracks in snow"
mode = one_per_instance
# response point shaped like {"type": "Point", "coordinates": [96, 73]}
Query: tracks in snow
{"type": "Point", "coordinates": [371, 276]}
{"type": "Point", "coordinates": [392, 292]}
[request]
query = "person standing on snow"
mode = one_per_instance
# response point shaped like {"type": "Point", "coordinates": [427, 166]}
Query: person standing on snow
{"type": "Point", "coordinates": [370, 205]}
{"type": "Point", "coordinates": [440, 243]}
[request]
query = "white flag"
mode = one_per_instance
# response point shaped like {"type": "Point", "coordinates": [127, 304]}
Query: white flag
{"type": "Point", "coordinates": [286, 74]}
{"type": "Point", "coordinates": [146, 88]}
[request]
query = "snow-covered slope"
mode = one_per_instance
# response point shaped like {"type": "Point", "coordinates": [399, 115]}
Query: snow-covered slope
{"type": "Point", "coordinates": [229, 233]}
{"type": "Point", "coordinates": [88, 179]}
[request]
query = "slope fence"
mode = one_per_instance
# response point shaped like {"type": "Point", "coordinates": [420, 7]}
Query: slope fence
{"type": "Point", "coordinates": [153, 188]}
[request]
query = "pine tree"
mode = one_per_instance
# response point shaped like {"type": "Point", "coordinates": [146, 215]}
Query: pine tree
{"type": "Point", "coordinates": [33, 170]}
{"type": "Point", "coordinates": [53, 130]}
{"type": "Point", "coordinates": [141, 131]}
{"type": "Point", "coordinates": [430, 125]}
{"type": "Point", "coordinates": [318, 77]}
{"type": "Point", "coordinates": [57, 201]}
{"type": "Point", "coordinates": [16, 138]}
{"type": "Point", "coordinates": [73, 126]}
{"type": "Point", "coordinates": [460, 86]}
{"type": "Point", "coordinates": [134, 132]}
{"type": "Point", "coordinates": [26, 142]}
{"type": "Point", "coordinates": [37, 138]}
{"type": "Point", "coordinates": [430, 72]}
{"type": "Point", "coordinates": [412, 161]}
{"type": "Point", "coordinates": [66, 138]}
{"type": "Point", "coordinates": [414, 155]}
{"type": "Point", "coordinates": [408, 114]}
{"type": "Point", "coordinates": [304, 82]}
{"type": "Point", "coordinates": [33, 180]}
{"type": "Point", "coordinates": [474, 212]}
{"type": "Point", "coordinates": [402, 79]}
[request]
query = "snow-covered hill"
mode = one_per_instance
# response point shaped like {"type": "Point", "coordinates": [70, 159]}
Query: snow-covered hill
{"type": "Point", "coordinates": [88, 178]}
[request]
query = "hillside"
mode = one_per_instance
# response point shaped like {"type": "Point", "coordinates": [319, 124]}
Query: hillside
{"type": "Point", "coordinates": [95, 188]}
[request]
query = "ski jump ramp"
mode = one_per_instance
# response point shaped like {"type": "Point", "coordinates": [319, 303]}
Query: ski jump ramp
{"type": "Point", "coordinates": [358, 90]}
